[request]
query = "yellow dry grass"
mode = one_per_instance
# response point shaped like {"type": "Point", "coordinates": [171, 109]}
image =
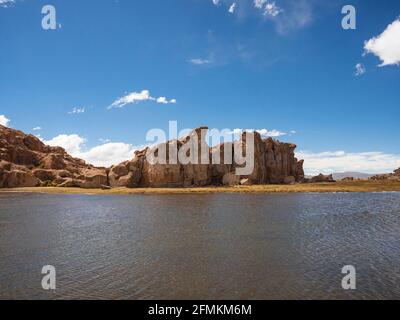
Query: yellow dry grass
{"type": "Point", "coordinates": [351, 186]}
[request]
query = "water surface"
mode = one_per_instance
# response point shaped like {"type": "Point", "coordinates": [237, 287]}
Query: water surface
{"type": "Point", "coordinates": [216, 246]}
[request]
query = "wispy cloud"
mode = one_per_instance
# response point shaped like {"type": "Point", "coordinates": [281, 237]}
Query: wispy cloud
{"type": "Point", "coordinates": [341, 161]}
{"type": "Point", "coordinates": [6, 3]}
{"type": "Point", "coordinates": [200, 61]}
{"type": "Point", "coordinates": [263, 132]}
{"type": "Point", "coordinates": [268, 7]}
{"type": "Point", "coordinates": [4, 121]}
{"type": "Point", "coordinates": [232, 8]}
{"type": "Point", "coordinates": [386, 46]}
{"type": "Point", "coordinates": [77, 110]}
{"type": "Point", "coordinates": [360, 70]}
{"type": "Point", "coordinates": [286, 15]}
{"type": "Point", "coordinates": [136, 97]}
{"type": "Point", "coordinates": [164, 100]}
{"type": "Point", "coordinates": [37, 128]}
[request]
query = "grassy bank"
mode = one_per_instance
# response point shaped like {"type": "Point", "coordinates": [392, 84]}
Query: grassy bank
{"type": "Point", "coordinates": [353, 186]}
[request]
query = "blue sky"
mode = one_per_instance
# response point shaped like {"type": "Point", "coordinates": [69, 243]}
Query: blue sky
{"type": "Point", "coordinates": [292, 69]}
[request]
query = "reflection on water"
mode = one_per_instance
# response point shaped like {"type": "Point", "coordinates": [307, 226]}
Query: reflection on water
{"type": "Point", "coordinates": [217, 246]}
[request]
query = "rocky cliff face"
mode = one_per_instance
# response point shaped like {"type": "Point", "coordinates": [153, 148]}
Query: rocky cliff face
{"type": "Point", "coordinates": [274, 162]}
{"type": "Point", "coordinates": [26, 162]}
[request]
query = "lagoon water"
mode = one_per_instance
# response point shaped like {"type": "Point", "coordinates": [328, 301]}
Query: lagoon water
{"type": "Point", "coordinates": [216, 246]}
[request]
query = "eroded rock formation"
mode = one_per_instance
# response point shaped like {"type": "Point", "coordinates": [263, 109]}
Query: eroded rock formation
{"type": "Point", "coordinates": [395, 176]}
{"type": "Point", "coordinates": [322, 178]}
{"type": "Point", "coordinates": [274, 162]}
{"type": "Point", "coordinates": [25, 161]}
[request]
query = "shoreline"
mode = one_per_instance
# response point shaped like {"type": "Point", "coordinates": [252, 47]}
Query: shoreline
{"type": "Point", "coordinates": [335, 187]}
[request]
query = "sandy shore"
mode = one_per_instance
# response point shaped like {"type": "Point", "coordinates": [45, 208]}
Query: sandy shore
{"type": "Point", "coordinates": [354, 186]}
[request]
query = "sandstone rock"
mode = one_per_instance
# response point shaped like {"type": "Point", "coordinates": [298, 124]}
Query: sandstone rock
{"type": "Point", "coordinates": [44, 175]}
{"type": "Point", "coordinates": [14, 179]}
{"type": "Point", "coordinates": [289, 180]}
{"type": "Point", "coordinates": [245, 182]}
{"type": "Point", "coordinates": [231, 179]}
{"type": "Point", "coordinates": [42, 164]}
{"type": "Point", "coordinates": [53, 161]}
{"type": "Point", "coordinates": [322, 178]}
{"type": "Point", "coordinates": [395, 176]}
{"type": "Point", "coordinates": [69, 183]}
{"type": "Point", "coordinates": [116, 172]}
{"type": "Point", "coordinates": [93, 178]}
{"type": "Point", "coordinates": [274, 162]}
{"type": "Point", "coordinates": [348, 179]}
{"type": "Point", "coordinates": [222, 161]}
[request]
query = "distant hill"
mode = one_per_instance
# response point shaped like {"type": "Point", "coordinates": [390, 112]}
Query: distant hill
{"type": "Point", "coordinates": [356, 175]}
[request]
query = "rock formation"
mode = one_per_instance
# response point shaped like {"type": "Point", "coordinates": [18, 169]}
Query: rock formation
{"type": "Point", "coordinates": [322, 178]}
{"type": "Point", "coordinates": [274, 162]}
{"type": "Point", "coordinates": [25, 161]}
{"type": "Point", "coordinates": [395, 176]}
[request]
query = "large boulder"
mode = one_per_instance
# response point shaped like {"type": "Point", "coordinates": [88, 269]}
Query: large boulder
{"type": "Point", "coordinates": [19, 179]}
{"type": "Point", "coordinates": [322, 178]}
{"type": "Point", "coordinates": [231, 179]}
{"type": "Point", "coordinates": [289, 180]}
{"type": "Point", "coordinates": [93, 178]}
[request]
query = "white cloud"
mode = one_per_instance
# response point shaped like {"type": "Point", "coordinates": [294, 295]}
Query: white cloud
{"type": "Point", "coordinates": [164, 100]}
{"type": "Point", "coordinates": [259, 3]}
{"type": "Point", "coordinates": [296, 15]}
{"type": "Point", "coordinates": [360, 69]}
{"type": "Point", "coordinates": [268, 7]}
{"type": "Point", "coordinates": [232, 8]}
{"type": "Point", "coordinates": [216, 2]}
{"type": "Point", "coordinates": [4, 121]}
{"type": "Point", "coordinates": [104, 155]}
{"type": "Point", "coordinates": [6, 3]}
{"type": "Point", "coordinates": [341, 161]}
{"type": "Point", "coordinates": [135, 97]}
{"type": "Point", "coordinates": [263, 132]}
{"type": "Point", "coordinates": [273, 133]}
{"type": "Point", "coordinates": [272, 9]}
{"type": "Point", "coordinates": [200, 61]}
{"type": "Point", "coordinates": [72, 143]}
{"type": "Point", "coordinates": [37, 128]}
{"type": "Point", "coordinates": [108, 154]}
{"type": "Point", "coordinates": [77, 110]}
{"type": "Point", "coordinates": [386, 46]}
